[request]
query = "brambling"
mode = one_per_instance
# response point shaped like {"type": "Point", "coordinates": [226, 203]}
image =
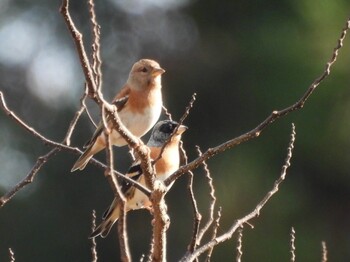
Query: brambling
{"type": "Point", "coordinates": [164, 167]}
{"type": "Point", "coordinates": [139, 105]}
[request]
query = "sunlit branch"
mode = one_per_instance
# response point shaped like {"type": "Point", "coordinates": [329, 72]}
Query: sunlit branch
{"type": "Point", "coordinates": [122, 234]}
{"type": "Point", "coordinates": [292, 245]}
{"type": "Point", "coordinates": [254, 133]}
{"type": "Point", "coordinates": [94, 256]}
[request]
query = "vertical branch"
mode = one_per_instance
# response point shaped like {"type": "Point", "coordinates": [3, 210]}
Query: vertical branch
{"type": "Point", "coordinates": [215, 231]}
{"type": "Point", "coordinates": [197, 217]}
{"type": "Point", "coordinates": [212, 201]}
{"type": "Point", "coordinates": [161, 223]}
{"type": "Point", "coordinates": [324, 252]}
{"type": "Point", "coordinates": [96, 47]}
{"type": "Point", "coordinates": [94, 256]}
{"type": "Point", "coordinates": [239, 244]}
{"type": "Point", "coordinates": [123, 239]}
{"type": "Point", "coordinates": [292, 245]}
{"type": "Point", "coordinates": [78, 39]}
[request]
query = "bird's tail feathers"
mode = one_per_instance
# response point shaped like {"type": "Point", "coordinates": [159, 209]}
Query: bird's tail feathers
{"type": "Point", "coordinates": [86, 156]}
{"type": "Point", "coordinates": [106, 225]}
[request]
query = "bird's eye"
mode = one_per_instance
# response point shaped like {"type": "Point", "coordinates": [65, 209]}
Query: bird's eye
{"type": "Point", "coordinates": [144, 69]}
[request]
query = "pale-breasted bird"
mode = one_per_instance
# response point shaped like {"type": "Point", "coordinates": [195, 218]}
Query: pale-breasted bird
{"type": "Point", "coordinates": [139, 105]}
{"type": "Point", "coordinates": [164, 167]}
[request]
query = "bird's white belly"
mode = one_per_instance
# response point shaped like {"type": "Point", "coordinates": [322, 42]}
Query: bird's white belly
{"type": "Point", "coordinates": [138, 124]}
{"type": "Point", "coordinates": [140, 200]}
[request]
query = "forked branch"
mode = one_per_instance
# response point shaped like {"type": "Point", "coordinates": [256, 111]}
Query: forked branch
{"type": "Point", "coordinates": [255, 213]}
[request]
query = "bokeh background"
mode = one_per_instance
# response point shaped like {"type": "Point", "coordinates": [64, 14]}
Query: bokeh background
{"type": "Point", "coordinates": [243, 59]}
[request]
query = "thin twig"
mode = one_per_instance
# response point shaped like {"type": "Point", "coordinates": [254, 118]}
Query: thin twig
{"type": "Point", "coordinates": [239, 244]}
{"type": "Point", "coordinates": [29, 178]}
{"type": "Point", "coordinates": [86, 92]}
{"type": "Point", "coordinates": [212, 200]}
{"type": "Point", "coordinates": [28, 128]}
{"type": "Point", "coordinates": [197, 217]}
{"type": "Point", "coordinates": [123, 239]}
{"type": "Point", "coordinates": [324, 252]}
{"type": "Point", "coordinates": [254, 133]}
{"type": "Point", "coordinates": [182, 119]}
{"type": "Point", "coordinates": [11, 255]}
{"type": "Point", "coordinates": [292, 245]}
{"type": "Point", "coordinates": [74, 121]}
{"type": "Point", "coordinates": [142, 258]}
{"type": "Point", "coordinates": [94, 256]}
{"type": "Point", "coordinates": [215, 231]}
{"type": "Point", "coordinates": [167, 113]}
{"type": "Point", "coordinates": [255, 213]}
{"type": "Point", "coordinates": [43, 159]}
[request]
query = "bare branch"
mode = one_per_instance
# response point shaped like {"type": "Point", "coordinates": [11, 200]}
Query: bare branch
{"type": "Point", "coordinates": [29, 178]}
{"type": "Point", "coordinates": [182, 119]}
{"type": "Point", "coordinates": [215, 231]}
{"type": "Point", "coordinates": [123, 239]}
{"type": "Point", "coordinates": [74, 121]}
{"type": "Point", "coordinates": [161, 223]}
{"type": "Point", "coordinates": [324, 252]}
{"type": "Point", "coordinates": [212, 201]}
{"type": "Point", "coordinates": [254, 133]}
{"type": "Point", "coordinates": [78, 39]}
{"type": "Point", "coordinates": [94, 256]}
{"type": "Point", "coordinates": [292, 245]}
{"type": "Point", "coordinates": [86, 108]}
{"type": "Point", "coordinates": [11, 255]}
{"type": "Point", "coordinates": [239, 244]}
{"type": "Point", "coordinates": [96, 47]}
{"type": "Point", "coordinates": [197, 217]}
{"type": "Point", "coordinates": [167, 113]}
{"type": "Point", "coordinates": [255, 213]}
{"type": "Point", "coordinates": [43, 159]}
{"type": "Point", "coordinates": [28, 128]}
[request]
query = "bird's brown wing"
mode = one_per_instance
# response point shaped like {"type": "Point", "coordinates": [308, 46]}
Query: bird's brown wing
{"type": "Point", "coordinates": [119, 102]}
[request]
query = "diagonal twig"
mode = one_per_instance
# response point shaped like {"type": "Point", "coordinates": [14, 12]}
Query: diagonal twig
{"type": "Point", "coordinates": [182, 119]}
{"type": "Point", "coordinates": [254, 133]}
{"type": "Point", "coordinates": [29, 177]}
{"type": "Point", "coordinates": [167, 113]}
{"type": "Point", "coordinates": [11, 255]}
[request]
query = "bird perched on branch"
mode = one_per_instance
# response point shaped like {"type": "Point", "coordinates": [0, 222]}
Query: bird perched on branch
{"type": "Point", "coordinates": [164, 167]}
{"type": "Point", "coordinates": [139, 105]}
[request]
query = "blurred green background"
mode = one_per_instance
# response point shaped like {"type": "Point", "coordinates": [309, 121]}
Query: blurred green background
{"type": "Point", "coordinates": [243, 59]}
